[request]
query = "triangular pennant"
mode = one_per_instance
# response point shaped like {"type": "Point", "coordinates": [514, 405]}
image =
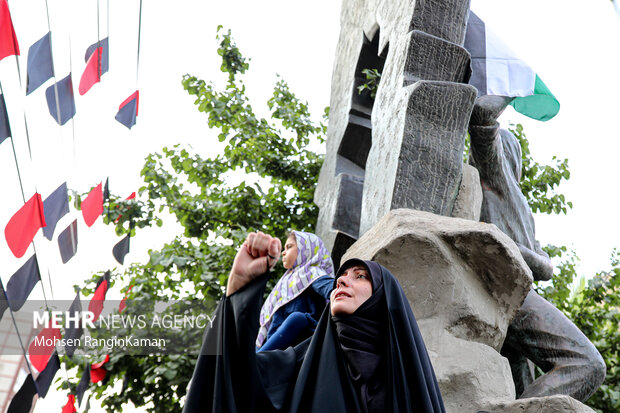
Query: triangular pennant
{"type": "Point", "coordinates": [123, 303]}
{"type": "Point", "coordinates": [70, 406]}
{"type": "Point", "coordinates": [121, 249]}
{"type": "Point", "coordinates": [103, 44]}
{"type": "Point", "coordinates": [40, 66]}
{"type": "Point", "coordinates": [43, 346]}
{"type": "Point", "coordinates": [83, 384]}
{"type": "Point", "coordinates": [128, 110]}
{"type": "Point", "coordinates": [92, 72]}
{"type": "Point", "coordinates": [22, 401]}
{"type": "Point", "coordinates": [73, 332]}
{"type": "Point", "coordinates": [97, 372]}
{"type": "Point", "coordinates": [95, 305]}
{"type": "Point", "coordinates": [23, 226]}
{"type": "Point", "coordinates": [66, 101]}
{"type": "Point", "coordinates": [44, 381]}
{"type": "Point", "coordinates": [106, 190]}
{"type": "Point", "coordinates": [92, 205]}
{"type": "Point", "coordinates": [55, 207]}
{"type": "Point", "coordinates": [4, 304]}
{"type": "Point", "coordinates": [8, 40]}
{"type": "Point", "coordinates": [68, 242]}
{"type": "Point", "coordinates": [22, 283]}
{"type": "Point", "coordinates": [5, 127]}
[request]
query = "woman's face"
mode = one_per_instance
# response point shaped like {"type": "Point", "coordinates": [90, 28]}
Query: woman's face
{"type": "Point", "coordinates": [289, 254]}
{"type": "Point", "coordinates": [352, 289]}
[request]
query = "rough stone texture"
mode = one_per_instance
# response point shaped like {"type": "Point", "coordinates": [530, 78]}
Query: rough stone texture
{"type": "Point", "coordinates": [355, 143]}
{"type": "Point", "coordinates": [340, 213]}
{"type": "Point", "coordinates": [446, 19]}
{"type": "Point", "coordinates": [410, 54]}
{"type": "Point", "coordinates": [551, 404]}
{"type": "Point", "coordinates": [469, 199]}
{"type": "Point", "coordinates": [416, 161]}
{"type": "Point", "coordinates": [468, 372]}
{"type": "Point", "coordinates": [432, 58]}
{"type": "Point", "coordinates": [464, 280]}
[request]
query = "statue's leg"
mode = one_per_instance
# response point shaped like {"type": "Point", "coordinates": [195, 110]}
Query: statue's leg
{"type": "Point", "coordinates": [521, 368]}
{"type": "Point", "coordinates": [572, 365]}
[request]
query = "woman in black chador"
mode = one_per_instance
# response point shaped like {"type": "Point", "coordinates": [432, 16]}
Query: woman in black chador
{"type": "Point", "coordinates": [366, 354]}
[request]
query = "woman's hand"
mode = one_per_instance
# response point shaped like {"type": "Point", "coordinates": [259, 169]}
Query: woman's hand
{"type": "Point", "coordinates": [258, 254]}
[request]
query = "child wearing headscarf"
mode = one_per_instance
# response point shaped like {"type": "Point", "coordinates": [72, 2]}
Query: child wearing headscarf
{"type": "Point", "coordinates": [292, 309]}
{"type": "Point", "coordinates": [367, 354]}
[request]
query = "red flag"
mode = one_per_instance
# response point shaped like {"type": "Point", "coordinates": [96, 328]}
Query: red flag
{"type": "Point", "coordinates": [8, 40]}
{"type": "Point", "coordinates": [92, 72]}
{"type": "Point", "coordinates": [23, 226]}
{"type": "Point", "coordinates": [92, 206]}
{"type": "Point", "coordinates": [70, 406]}
{"type": "Point", "coordinates": [43, 346]}
{"type": "Point", "coordinates": [123, 304]}
{"type": "Point", "coordinates": [95, 305]}
{"type": "Point", "coordinates": [97, 372]}
{"type": "Point", "coordinates": [129, 198]}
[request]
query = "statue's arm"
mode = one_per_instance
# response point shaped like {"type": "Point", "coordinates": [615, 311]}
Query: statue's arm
{"type": "Point", "coordinates": [538, 261]}
{"type": "Point", "coordinates": [485, 138]}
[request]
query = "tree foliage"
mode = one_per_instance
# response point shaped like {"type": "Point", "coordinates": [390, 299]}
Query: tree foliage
{"type": "Point", "coordinates": [539, 182]}
{"type": "Point", "coordinates": [594, 306]}
{"type": "Point", "coordinates": [276, 174]}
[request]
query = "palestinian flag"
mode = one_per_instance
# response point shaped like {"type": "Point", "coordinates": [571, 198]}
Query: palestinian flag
{"type": "Point", "coordinates": [496, 70]}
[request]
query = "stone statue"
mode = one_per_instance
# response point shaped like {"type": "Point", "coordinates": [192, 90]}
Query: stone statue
{"type": "Point", "coordinates": [539, 332]}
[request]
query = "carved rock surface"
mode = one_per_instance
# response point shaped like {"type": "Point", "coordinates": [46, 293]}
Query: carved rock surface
{"type": "Point", "coordinates": [464, 280]}
{"type": "Point", "coordinates": [416, 40]}
{"type": "Point", "coordinates": [469, 199]}
{"type": "Point", "coordinates": [470, 374]}
{"type": "Point", "coordinates": [551, 404]}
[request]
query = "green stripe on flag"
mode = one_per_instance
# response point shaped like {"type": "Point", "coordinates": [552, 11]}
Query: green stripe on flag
{"type": "Point", "coordinates": [542, 105]}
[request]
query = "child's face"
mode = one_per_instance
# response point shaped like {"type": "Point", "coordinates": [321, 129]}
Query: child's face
{"type": "Point", "coordinates": [289, 254]}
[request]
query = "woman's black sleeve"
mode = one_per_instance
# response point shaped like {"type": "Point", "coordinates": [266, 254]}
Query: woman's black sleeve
{"type": "Point", "coordinates": [229, 377]}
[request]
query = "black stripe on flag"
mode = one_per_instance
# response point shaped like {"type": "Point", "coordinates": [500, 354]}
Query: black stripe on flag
{"type": "Point", "coordinates": [68, 242]}
{"type": "Point", "coordinates": [55, 207]}
{"type": "Point", "coordinates": [5, 127]}
{"type": "Point", "coordinates": [83, 384]}
{"type": "Point", "coordinates": [73, 332]}
{"type": "Point", "coordinates": [44, 381]}
{"type": "Point", "coordinates": [22, 283]}
{"type": "Point", "coordinates": [121, 249]}
{"type": "Point", "coordinates": [22, 401]}
{"type": "Point", "coordinates": [475, 43]}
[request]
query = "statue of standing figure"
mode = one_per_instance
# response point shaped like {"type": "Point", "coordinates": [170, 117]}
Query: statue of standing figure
{"type": "Point", "coordinates": [539, 332]}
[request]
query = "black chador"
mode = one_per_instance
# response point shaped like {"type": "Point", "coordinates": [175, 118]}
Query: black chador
{"type": "Point", "coordinates": [371, 361]}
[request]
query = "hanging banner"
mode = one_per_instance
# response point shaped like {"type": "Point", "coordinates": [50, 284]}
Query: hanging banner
{"type": "Point", "coordinates": [55, 207]}
{"type": "Point", "coordinates": [23, 226]}
{"type": "Point", "coordinates": [40, 67]}
{"type": "Point", "coordinates": [68, 242]}
{"type": "Point", "coordinates": [66, 101]}
{"type": "Point", "coordinates": [22, 283]}
{"type": "Point", "coordinates": [128, 110]}
{"type": "Point", "coordinates": [8, 40]}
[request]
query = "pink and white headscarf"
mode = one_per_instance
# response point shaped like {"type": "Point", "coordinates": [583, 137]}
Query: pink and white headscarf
{"type": "Point", "coordinates": [313, 261]}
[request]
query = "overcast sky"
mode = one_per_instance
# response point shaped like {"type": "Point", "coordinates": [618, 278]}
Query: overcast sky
{"type": "Point", "coordinates": [572, 45]}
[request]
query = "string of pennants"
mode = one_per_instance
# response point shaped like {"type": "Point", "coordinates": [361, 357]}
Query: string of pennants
{"type": "Point", "coordinates": [19, 233]}
{"type": "Point", "coordinates": [36, 213]}
{"type": "Point", "coordinates": [40, 69]}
